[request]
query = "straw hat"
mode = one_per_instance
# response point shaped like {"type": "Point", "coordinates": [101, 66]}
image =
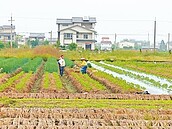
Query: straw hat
{"type": "Point", "coordinates": [82, 58]}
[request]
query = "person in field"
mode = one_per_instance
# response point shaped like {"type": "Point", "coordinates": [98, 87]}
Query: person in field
{"type": "Point", "coordinates": [62, 64]}
{"type": "Point", "coordinates": [83, 66]}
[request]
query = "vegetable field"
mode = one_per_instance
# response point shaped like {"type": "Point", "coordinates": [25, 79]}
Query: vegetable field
{"type": "Point", "coordinates": [34, 96]}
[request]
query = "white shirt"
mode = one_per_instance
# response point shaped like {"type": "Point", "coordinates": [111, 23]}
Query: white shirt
{"type": "Point", "coordinates": [62, 62]}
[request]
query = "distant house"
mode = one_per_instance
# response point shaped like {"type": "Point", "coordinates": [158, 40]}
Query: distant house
{"type": "Point", "coordinates": [126, 45]}
{"type": "Point", "coordinates": [77, 30]}
{"type": "Point", "coordinates": [21, 40]}
{"type": "Point", "coordinates": [5, 33]}
{"type": "Point", "coordinates": [52, 40]}
{"type": "Point", "coordinates": [37, 36]}
{"type": "Point", "coordinates": [106, 44]}
{"type": "Point", "coordinates": [150, 48]}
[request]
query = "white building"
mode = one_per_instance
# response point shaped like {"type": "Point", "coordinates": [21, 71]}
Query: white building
{"type": "Point", "coordinates": [37, 36]}
{"type": "Point", "coordinates": [77, 30]}
{"type": "Point", "coordinates": [5, 33]}
{"type": "Point", "coordinates": [105, 44]}
{"type": "Point", "coordinates": [126, 44]}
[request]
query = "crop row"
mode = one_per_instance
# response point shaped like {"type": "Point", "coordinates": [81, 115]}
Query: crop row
{"type": "Point", "coordinates": [84, 118]}
{"type": "Point", "coordinates": [137, 76]}
{"type": "Point", "coordinates": [85, 96]}
{"type": "Point", "coordinates": [157, 68]}
{"type": "Point", "coordinates": [51, 83]}
{"type": "Point", "coordinates": [51, 65]}
{"type": "Point", "coordinates": [115, 84]}
{"type": "Point", "coordinates": [11, 64]}
{"type": "Point", "coordinates": [84, 83]}
{"type": "Point", "coordinates": [83, 123]}
{"type": "Point", "coordinates": [83, 113]}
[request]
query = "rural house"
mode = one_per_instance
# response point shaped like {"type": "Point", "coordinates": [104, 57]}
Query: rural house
{"type": "Point", "coordinates": [106, 44]}
{"type": "Point", "coordinates": [5, 33]}
{"type": "Point", "coordinates": [77, 30]}
{"type": "Point", "coordinates": [126, 45]}
{"type": "Point", "coordinates": [37, 36]}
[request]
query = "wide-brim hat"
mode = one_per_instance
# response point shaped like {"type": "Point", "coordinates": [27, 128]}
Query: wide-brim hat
{"type": "Point", "coordinates": [82, 58]}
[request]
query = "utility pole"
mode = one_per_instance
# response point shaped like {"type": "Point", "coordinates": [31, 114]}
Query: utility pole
{"type": "Point", "coordinates": [148, 40]}
{"type": "Point", "coordinates": [11, 20]}
{"type": "Point", "coordinates": [154, 34]}
{"type": "Point", "coordinates": [168, 41]}
{"type": "Point", "coordinates": [51, 36]}
{"type": "Point", "coordinates": [115, 37]}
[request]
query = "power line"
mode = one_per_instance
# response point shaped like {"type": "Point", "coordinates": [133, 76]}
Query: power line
{"type": "Point", "coordinates": [103, 20]}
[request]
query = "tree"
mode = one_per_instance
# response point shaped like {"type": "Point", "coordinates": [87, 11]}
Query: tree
{"type": "Point", "coordinates": [1, 45]}
{"type": "Point", "coordinates": [58, 44]}
{"type": "Point", "coordinates": [46, 42]}
{"type": "Point", "coordinates": [162, 46]}
{"type": "Point", "coordinates": [34, 43]}
{"type": "Point", "coordinates": [72, 46]}
{"type": "Point", "coordinates": [14, 45]}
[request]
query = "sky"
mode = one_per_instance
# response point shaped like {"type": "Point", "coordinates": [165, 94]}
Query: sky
{"type": "Point", "coordinates": [132, 19]}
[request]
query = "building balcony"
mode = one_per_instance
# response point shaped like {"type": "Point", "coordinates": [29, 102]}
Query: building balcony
{"type": "Point", "coordinates": [85, 40]}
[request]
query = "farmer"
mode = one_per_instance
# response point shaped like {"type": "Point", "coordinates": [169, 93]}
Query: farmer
{"type": "Point", "coordinates": [83, 66]}
{"type": "Point", "coordinates": [62, 64]}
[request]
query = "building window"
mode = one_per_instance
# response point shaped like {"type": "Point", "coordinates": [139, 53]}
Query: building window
{"type": "Point", "coordinates": [67, 35]}
{"type": "Point", "coordinates": [77, 35]}
{"type": "Point", "coordinates": [85, 36]}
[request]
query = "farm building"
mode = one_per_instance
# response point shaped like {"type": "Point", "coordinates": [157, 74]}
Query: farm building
{"type": "Point", "coordinates": [106, 44]}
{"type": "Point", "coordinates": [77, 30]}
{"type": "Point", "coordinates": [5, 33]}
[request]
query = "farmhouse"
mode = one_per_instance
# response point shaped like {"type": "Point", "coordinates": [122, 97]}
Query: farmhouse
{"type": "Point", "coordinates": [126, 45]}
{"type": "Point", "coordinates": [77, 30]}
{"type": "Point", "coordinates": [106, 44]}
{"type": "Point", "coordinates": [37, 36]}
{"type": "Point", "coordinates": [5, 33]}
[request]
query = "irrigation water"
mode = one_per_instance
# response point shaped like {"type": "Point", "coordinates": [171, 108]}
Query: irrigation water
{"type": "Point", "coordinates": [152, 89]}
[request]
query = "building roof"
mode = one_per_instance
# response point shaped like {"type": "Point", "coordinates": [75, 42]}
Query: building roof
{"type": "Point", "coordinates": [71, 28]}
{"type": "Point", "coordinates": [37, 35]}
{"type": "Point", "coordinates": [64, 21]}
{"type": "Point", "coordinates": [106, 42]}
{"type": "Point", "coordinates": [76, 20]}
{"type": "Point", "coordinates": [6, 27]}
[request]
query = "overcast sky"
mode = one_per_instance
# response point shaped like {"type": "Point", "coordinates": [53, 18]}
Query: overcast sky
{"type": "Point", "coordinates": [132, 19]}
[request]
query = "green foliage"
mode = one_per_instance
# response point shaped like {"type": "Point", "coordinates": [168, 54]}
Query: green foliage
{"type": "Point", "coordinates": [21, 85]}
{"type": "Point", "coordinates": [1, 45]}
{"type": "Point", "coordinates": [126, 87]}
{"type": "Point", "coordinates": [58, 44]}
{"type": "Point", "coordinates": [69, 63]}
{"type": "Point", "coordinates": [33, 43]}
{"type": "Point", "coordinates": [72, 46]}
{"type": "Point", "coordinates": [145, 105]}
{"type": "Point", "coordinates": [10, 81]}
{"type": "Point", "coordinates": [14, 45]}
{"type": "Point", "coordinates": [46, 80]}
{"type": "Point", "coordinates": [58, 81]}
{"type": "Point", "coordinates": [89, 65]}
{"type": "Point", "coordinates": [11, 64]}
{"type": "Point", "coordinates": [51, 65]}
{"type": "Point", "coordinates": [32, 65]}
{"type": "Point", "coordinates": [46, 42]}
{"type": "Point", "coordinates": [88, 83]}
